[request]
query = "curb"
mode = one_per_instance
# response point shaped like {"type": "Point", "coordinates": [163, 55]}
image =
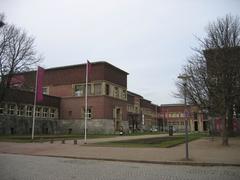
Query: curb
{"type": "Point", "coordinates": [184, 163]}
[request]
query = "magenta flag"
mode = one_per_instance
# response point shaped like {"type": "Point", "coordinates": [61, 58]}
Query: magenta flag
{"type": "Point", "coordinates": [40, 74]}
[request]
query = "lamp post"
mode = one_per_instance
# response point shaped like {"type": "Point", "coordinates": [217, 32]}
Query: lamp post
{"type": "Point", "coordinates": [184, 78]}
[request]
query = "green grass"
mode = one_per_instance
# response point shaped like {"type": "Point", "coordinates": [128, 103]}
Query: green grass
{"type": "Point", "coordinates": [44, 138]}
{"type": "Point", "coordinates": [145, 133]}
{"type": "Point", "coordinates": [160, 142]}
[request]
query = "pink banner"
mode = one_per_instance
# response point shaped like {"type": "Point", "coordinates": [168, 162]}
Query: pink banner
{"type": "Point", "coordinates": [40, 74]}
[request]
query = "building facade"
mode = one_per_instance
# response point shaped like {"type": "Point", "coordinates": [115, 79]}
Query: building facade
{"type": "Point", "coordinates": [175, 115]}
{"type": "Point", "coordinates": [107, 96]}
{"type": "Point", "coordinates": [111, 107]}
{"type": "Point", "coordinates": [16, 113]}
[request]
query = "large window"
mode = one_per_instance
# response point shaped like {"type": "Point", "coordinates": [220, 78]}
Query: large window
{"type": "Point", "coordinates": [29, 111]}
{"type": "Point", "coordinates": [107, 89]}
{"type": "Point", "coordinates": [124, 94]}
{"type": "Point", "coordinates": [45, 90]}
{"type": "Point", "coordinates": [52, 113]}
{"type": "Point", "coordinates": [45, 112]}
{"type": "Point", "coordinates": [20, 110]}
{"type": "Point", "coordinates": [38, 111]}
{"type": "Point", "coordinates": [79, 90]}
{"type": "Point", "coordinates": [116, 92]}
{"type": "Point", "coordinates": [89, 113]}
{"type": "Point", "coordinates": [98, 89]}
{"type": "Point", "coordinates": [11, 109]}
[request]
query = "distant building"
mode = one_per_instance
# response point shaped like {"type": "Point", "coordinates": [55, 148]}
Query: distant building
{"type": "Point", "coordinates": [174, 115]}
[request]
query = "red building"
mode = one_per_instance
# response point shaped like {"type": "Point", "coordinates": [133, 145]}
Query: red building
{"type": "Point", "coordinates": [107, 96]}
{"type": "Point", "coordinates": [175, 115]}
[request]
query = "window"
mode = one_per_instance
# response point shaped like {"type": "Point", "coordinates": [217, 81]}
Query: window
{"type": "Point", "coordinates": [20, 110]}
{"type": "Point", "coordinates": [79, 90]}
{"type": "Point", "coordinates": [45, 112]}
{"type": "Point", "coordinates": [116, 92]}
{"type": "Point", "coordinates": [195, 115]}
{"type": "Point", "coordinates": [205, 116]}
{"type": "Point", "coordinates": [29, 111]}
{"type": "Point", "coordinates": [89, 113]}
{"type": "Point", "coordinates": [52, 113]}
{"type": "Point", "coordinates": [97, 89]}
{"type": "Point", "coordinates": [38, 111]}
{"type": "Point", "coordinates": [11, 109]}
{"type": "Point", "coordinates": [107, 89]}
{"type": "Point", "coordinates": [45, 90]}
{"type": "Point", "coordinates": [124, 94]}
{"type": "Point", "coordinates": [2, 108]}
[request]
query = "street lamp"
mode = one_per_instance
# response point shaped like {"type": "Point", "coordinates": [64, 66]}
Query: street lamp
{"type": "Point", "coordinates": [184, 78]}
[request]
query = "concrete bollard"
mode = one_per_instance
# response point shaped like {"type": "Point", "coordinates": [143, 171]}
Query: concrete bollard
{"type": "Point", "coordinates": [63, 141]}
{"type": "Point", "coordinates": [75, 141]}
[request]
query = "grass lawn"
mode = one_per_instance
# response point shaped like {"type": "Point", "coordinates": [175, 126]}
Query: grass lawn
{"type": "Point", "coordinates": [44, 138]}
{"type": "Point", "coordinates": [161, 142]}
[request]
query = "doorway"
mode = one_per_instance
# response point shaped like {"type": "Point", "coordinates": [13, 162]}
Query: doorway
{"type": "Point", "coordinates": [117, 114]}
{"type": "Point", "coordinates": [195, 125]}
{"type": "Point", "coordinates": [205, 125]}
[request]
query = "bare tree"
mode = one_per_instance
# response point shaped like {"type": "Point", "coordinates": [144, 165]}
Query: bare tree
{"type": "Point", "coordinates": [17, 54]}
{"type": "Point", "coordinates": [215, 71]}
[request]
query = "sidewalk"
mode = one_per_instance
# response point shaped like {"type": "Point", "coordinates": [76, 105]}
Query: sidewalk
{"type": "Point", "coordinates": [202, 152]}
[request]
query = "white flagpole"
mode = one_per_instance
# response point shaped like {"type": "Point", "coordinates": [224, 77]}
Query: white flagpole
{"type": "Point", "coordinates": [34, 106]}
{"type": "Point", "coordinates": [86, 103]}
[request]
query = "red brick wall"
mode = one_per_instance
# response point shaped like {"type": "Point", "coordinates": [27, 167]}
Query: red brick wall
{"type": "Point", "coordinates": [102, 107]}
{"type": "Point", "coordinates": [76, 74]}
{"type": "Point", "coordinates": [110, 103]}
{"type": "Point", "coordinates": [76, 104]}
{"type": "Point", "coordinates": [61, 90]}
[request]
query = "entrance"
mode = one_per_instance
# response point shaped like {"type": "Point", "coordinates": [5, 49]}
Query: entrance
{"type": "Point", "coordinates": [117, 114]}
{"type": "Point", "coordinates": [195, 125]}
{"type": "Point", "coordinates": [205, 125]}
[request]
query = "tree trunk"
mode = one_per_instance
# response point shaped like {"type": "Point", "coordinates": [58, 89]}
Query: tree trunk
{"type": "Point", "coordinates": [230, 122]}
{"type": "Point", "coordinates": [224, 131]}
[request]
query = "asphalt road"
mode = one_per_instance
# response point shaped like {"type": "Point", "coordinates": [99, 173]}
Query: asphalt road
{"type": "Point", "coordinates": [22, 167]}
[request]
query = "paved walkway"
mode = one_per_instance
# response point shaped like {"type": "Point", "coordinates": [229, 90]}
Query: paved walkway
{"type": "Point", "coordinates": [202, 152]}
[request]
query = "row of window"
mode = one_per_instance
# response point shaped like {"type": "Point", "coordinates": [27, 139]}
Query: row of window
{"type": "Point", "coordinates": [175, 115]}
{"type": "Point", "coordinates": [27, 110]}
{"type": "Point", "coordinates": [100, 89]}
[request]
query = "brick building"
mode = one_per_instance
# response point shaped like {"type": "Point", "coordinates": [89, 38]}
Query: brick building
{"type": "Point", "coordinates": [110, 106]}
{"type": "Point", "coordinates": [107, 96]}
{"type": "Point", "coordinates": [16, 112]}
{"type": "Point", "coordinates": [173, 115]}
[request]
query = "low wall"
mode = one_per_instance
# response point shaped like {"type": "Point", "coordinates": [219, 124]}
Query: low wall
{"type": "Point", "coordinates": [22, 125]}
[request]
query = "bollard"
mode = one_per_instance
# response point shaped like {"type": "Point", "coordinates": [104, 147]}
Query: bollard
{"type": "Point", "coordinates": [75, 141]}
{"type": "Point", "coordinates": [51, 141]}
{"type": "Point", "coordinates": [63, 141]}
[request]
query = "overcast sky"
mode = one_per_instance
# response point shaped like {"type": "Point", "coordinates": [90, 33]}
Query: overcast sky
{"type": "Point", "coordinates": [150, 39]}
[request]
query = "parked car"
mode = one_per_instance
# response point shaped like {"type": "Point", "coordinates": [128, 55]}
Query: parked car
{"type": "Point", "coordinates": [154, 130]}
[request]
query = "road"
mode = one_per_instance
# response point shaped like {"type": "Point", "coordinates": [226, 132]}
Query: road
{"type": "Point", "coordinates": [22, 167]}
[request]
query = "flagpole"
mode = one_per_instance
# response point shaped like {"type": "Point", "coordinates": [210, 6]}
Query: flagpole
{"type": "Point", "coordinates": [86, 102]}
{"type": "Point", "coordinates": [34, 106]}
